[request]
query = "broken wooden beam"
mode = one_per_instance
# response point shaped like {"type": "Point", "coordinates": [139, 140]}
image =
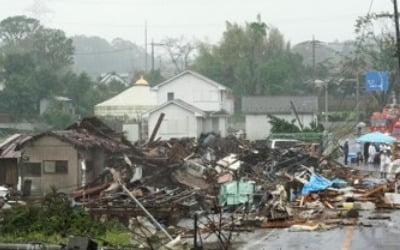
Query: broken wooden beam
{"type": "Point", "coordinates": [156, 128]}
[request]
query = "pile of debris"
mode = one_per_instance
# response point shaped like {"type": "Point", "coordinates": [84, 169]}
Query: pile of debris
{"type": "Point", "coordinates": [259, 186]}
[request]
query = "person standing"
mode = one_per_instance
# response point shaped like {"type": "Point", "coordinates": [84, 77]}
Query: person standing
{"type": "Point", "coordinates": [371, 153]}
{"type": "Point", "coordinates": [366, 155]}
{"type": "Point", "coordinates": [385, 163]}
{"type": "Point", "coordinates": [346, 152]}
{"type": "Point", "coordinates": [359, 154]}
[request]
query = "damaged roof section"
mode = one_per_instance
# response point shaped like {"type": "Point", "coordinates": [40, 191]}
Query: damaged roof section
{"type": "Point", "coordinates": [91, 132]}
{"type": "Point", "coordinates": [9, 148]}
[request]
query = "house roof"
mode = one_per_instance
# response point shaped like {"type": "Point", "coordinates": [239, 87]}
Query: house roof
{"type": "Point", "coordinates": [82, 138]}
{"type": "Point", "coordinates": [137, 95]}
{"type": "Point", "coordinates": [91, 132]}
{"type": "Point", "coordinates": [197, 75]}
{"type": "Point", "coordinates": [279, 104]}
{"type": "Point", "coordinates": [9, 147]}
{"type": "Point", "coordinates": [181, 104]}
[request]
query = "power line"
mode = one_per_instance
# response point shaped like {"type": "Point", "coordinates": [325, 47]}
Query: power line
{"type": "Point", "coordinates": [103, 52]}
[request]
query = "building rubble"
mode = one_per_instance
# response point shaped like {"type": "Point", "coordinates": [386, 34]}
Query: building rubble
{"type": "Point", "coordinates": [233, 185]}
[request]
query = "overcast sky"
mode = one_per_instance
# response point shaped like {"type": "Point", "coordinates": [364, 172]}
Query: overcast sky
{"type": "Point", "coordinates": [298, 20]}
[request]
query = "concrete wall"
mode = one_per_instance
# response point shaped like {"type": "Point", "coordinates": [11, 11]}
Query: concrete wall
{"type": "Point", "coordinates": [196, 92]}
{"type": "Point", "coordinates": [258, 127]}
{"type": "Point", "coordinates": [178, 122]}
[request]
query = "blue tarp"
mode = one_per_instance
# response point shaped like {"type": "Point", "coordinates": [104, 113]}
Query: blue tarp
{"type": "Point", "coordinates": [318, 183]}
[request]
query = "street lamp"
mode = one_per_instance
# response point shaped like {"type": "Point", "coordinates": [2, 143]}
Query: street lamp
{"type": "Point", "coordinates": [321, 83]}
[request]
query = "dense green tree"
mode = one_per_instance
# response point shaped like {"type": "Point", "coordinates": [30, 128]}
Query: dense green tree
{"type": "Point", "coordinates": [17, 28]}
{"type": "Point", "coordinates": [375, 50]}
{"type": "Point", "coordinates": [253, 59]}
{"type": "Point", "coordinates": [18, 96]}
{"type": "Point", "coordinates": [52, 49]}
{"type": "Point", "coordinates": [57, 115]}
{"type": "Point", "coordinates": [34, 60]}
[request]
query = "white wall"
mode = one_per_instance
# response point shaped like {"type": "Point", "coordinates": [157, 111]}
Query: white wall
{"type": "Point", "coordinates": [196, 92]}
{"type": "Point", "coordinates": [228, 101]}
{"type": "Point", "coordinates": [178, 122]}
{"type": "Point", "coordinates": [258, 127]}
{"type": "Point", "coordinates": [131, 131]}
{"type": "Point", "coordinates": [222, 126]}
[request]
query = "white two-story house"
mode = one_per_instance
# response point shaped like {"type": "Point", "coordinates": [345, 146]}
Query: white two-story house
{"type": "Point", "coordinates": [192, 104]}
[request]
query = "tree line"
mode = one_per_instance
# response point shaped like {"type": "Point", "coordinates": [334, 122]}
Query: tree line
{"type": "Point", "coordinates": [37, 62]}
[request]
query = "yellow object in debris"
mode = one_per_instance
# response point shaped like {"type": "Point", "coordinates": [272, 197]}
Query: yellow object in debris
{"type": "Point", "coordinates": [348, 205]}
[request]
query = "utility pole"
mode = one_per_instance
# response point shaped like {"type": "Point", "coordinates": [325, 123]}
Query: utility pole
{"type": "Point", "coordinates": [145, 46]}
{"type": "Point", "coordinates": [326, 102]}
{"type": "Point", "coordinates": [358, 96]}
{"type": "Point", "coordinates": [396, 22]}
{"type": "Point", "coordinates": [152, 53]}
{"type": "Point", "coordinates": [313, 56]}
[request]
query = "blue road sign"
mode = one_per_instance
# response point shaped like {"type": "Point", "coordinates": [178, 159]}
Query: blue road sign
{"type": "Point", "coordinates": [377, 81]}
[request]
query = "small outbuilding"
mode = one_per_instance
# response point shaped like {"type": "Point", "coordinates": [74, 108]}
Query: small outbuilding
{"type": "Point", "coordinates": [257, 109]}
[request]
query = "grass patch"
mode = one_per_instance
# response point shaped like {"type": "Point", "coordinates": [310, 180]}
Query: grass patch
{"type": "Point", "coordinates": [38, 237]}
{"type": "Point", "coordinates": [117, 238]}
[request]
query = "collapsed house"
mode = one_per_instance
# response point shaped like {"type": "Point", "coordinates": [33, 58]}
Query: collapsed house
{"type": "Point", "coordinates": [64, 159]}
{"type": "Point", "coordinates": [258, 186]}
{"type": "Point", "coordinates": [248, 185]}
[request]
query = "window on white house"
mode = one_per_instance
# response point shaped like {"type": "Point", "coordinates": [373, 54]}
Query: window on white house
{"type": "Point", "coordinates": [55, 167]}
{"type": "Point", "coordinates": [170, 96]}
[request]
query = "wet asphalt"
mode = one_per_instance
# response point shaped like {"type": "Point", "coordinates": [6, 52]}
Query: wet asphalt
{"type": "Point", "coordinates": [381, 234]}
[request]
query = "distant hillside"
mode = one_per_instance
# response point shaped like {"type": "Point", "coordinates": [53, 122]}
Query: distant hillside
{"type": "Point", "coordinates": [332, 51]}
{"type": "Point", "coordinates": [96, 55]}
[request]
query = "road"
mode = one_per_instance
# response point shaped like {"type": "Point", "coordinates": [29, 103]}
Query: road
{"type": "Point", "coordinates": [383, 235]}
